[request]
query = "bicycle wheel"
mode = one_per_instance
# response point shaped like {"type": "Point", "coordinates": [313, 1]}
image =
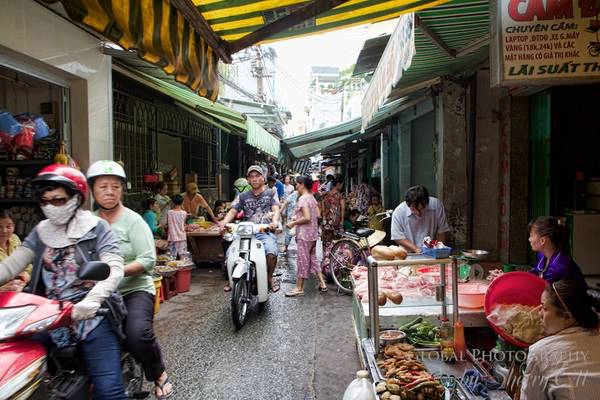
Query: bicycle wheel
{"type": "Point", "coordinates": [344, 257]}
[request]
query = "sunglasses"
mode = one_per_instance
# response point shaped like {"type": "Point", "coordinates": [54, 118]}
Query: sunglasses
{"type": "Point", "coordinates": [59, 201]}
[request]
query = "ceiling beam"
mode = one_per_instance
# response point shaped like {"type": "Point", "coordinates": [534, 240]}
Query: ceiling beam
{"type": "Point", "coordinates": [200, 25]}
{"type": "Point", "coordinates": [475, 45]}
{"type": "Point", "coordinates": [303, 13]}
{"type": "Point", "coordinates": [434, 37]}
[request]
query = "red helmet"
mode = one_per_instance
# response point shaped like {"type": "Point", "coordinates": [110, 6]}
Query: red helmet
{"type": "Point", "coordinates": [65, 176]}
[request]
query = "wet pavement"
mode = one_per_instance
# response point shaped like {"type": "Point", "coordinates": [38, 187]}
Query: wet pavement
{"type": "Point", "coordinates": [294, 348]}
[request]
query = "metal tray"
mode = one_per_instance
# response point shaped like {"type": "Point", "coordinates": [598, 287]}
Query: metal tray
{"type": "Point", "coordinates": [433, 361]}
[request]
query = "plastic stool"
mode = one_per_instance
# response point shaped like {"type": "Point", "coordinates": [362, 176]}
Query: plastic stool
{"type": "Point", "coordinates": [169, 287]}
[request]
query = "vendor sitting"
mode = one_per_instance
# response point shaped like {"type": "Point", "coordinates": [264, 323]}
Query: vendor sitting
{"type": "Point", "coordinates": [566, 363]}
{"type": "Point", "coordinates": [375, 208]}
{"type": "Point", "coordinates": [549, 237]}
{"type": "Point", "coordinates": [192, 201]}
{"type": "Point", "coordinates": [420, 215]}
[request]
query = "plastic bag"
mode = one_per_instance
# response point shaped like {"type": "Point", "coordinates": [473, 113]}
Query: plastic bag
{"type": "Point", "coordinates": [8, 123]}
{"type": "Point", "coordinates": [517, 320]}
{"type": "Point", "coordinates": [35, 122]}
{"type": "Point", "coordinates": [23, 142]}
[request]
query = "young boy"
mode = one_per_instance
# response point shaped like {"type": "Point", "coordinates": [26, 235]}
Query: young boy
{"type": "Point", "coordinates": [176, 223]}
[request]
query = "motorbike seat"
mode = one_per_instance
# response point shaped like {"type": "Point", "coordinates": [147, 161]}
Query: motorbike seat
{"type": "Point", "coordinates": [364, 232]}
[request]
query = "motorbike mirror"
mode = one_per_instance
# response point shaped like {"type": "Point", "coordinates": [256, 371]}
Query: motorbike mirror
{"type": "Point", "coordinates": [93, 271]}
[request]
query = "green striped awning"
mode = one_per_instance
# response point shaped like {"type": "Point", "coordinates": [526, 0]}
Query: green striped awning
{"type": "Point", "coordinates": [233, 19]}
{"type": "Point", "coordinates": [464, 25]}
{"type": "Point", "coordinates": [160, 34]}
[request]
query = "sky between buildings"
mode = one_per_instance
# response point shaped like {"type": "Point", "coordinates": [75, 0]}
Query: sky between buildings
{"type": "Point", "coordinates": [296, 56]}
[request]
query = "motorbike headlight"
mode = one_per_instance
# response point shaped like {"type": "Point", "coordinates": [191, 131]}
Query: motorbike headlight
{"type": "Point", "coordinates": [245, 230]}
{"type": "Point", "coordinates": [11, 318]}
{"type": "Point", "coordinates": [40, 325]}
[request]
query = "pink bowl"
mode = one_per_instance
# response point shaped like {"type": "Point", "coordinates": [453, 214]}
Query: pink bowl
{"type": "Point", "coordinates": [514, 288]}
{"type": "Point", "coordinates": [471, 295]}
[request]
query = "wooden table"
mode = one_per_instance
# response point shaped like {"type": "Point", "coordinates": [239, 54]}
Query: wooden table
{"type": "Point", "coordinates": [206, 246]}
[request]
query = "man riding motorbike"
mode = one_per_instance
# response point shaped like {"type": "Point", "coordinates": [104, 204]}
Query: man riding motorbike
{"type": "Point", "coordinates": [261, 206]}
{"type": "Point", "coordinates": [57, 247]}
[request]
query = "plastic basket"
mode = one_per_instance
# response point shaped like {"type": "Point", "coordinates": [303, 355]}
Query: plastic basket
{"type": "Point", "coordinates": [444, 252]}
{"type": "Point", "coordinates": [513, 288]}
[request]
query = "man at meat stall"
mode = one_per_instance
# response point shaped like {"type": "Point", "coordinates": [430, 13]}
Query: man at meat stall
{"type": "Point", "coordinates": [419, 216]}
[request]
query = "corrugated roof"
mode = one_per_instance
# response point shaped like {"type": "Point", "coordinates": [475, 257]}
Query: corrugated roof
{"type": "Point", "coordinates": [370, 54]}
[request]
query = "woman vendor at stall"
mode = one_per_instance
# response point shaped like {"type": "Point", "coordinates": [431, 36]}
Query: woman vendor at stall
{"type": "Point", "coordinates": [566, 363]}
{"type": "Point", "coordinates": [549, 237]}
{"type": "Point", "coordinates": [192, 201]}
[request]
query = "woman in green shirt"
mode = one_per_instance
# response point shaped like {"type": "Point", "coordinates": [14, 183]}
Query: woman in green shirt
{"type": "Point", "coordinates": [106, 179]}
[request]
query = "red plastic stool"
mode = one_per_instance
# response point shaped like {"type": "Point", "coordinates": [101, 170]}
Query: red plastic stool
{"type": "Point", "coordinates": [169, 287]}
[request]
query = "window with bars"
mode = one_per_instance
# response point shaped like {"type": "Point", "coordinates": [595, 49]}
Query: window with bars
{"type": "Point", "coordinates": [140, 114]}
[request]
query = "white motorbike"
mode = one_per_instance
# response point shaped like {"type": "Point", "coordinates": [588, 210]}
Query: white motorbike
{"type": "Point", "coordinates": [246, 268]}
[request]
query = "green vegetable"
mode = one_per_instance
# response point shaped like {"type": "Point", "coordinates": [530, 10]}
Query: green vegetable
{"type": "Point", "coordinates": [410, 324]}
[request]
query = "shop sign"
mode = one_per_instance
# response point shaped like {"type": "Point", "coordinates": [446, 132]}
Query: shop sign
{"type": "Point", "coordinates": [545, 41]}
{"type": "Point", "coordinates": [396, 59]}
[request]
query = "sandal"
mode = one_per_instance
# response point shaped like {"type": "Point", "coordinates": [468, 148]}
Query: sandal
{"type": "Point", "coordinates": [162, 389]}
{"type": "Point", "coordinates": [323, 288]}
{"type": "Point", "coordinates": [227, 288]}
{"type": "Point", "coordinates": [275, 286]}
{"type": "Point", "coordinates": [294, 293]}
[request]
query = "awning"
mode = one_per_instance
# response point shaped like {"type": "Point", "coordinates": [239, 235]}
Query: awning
{"type": "Point", "coordinates": [463, 30]}
{"type": "Point", "coordinates": [219, 115]}
{"type": "Point", "coordinates": [261, 139]}
{"type": "Point", "coordinates": [302, 167]}
{"type": "Point", "coordinates": [450, 39]}
{"type": "Point", "coordinates": [161, 35]}
{"type": "Point", "coordinates": [369, 56]}
{"type": "Point", "coordinates": [233, 19]}
{"type": "Point", "coordinates": [315, 142]}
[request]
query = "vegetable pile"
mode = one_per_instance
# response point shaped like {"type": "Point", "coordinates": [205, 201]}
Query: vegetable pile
{"type": "Point", "coordinates": [406, 377]}
{"type": "Point", "coordinates": [422, 333]}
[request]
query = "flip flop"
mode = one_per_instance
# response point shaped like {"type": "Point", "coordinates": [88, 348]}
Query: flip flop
{"type": "Point", "coordinates": [227, 288]}
{"type": "Point", "coordinates": [162, 389]}
{"type": "Point", "coordinates": [275, 286]}
{"type": "Point", "coordinates": [323, 288]}
{"type": "Point", "coordinates": [294, 293]}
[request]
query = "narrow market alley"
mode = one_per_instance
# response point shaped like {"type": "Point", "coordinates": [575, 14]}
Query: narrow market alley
{"type": "Point", "coordinates": [295, 348]}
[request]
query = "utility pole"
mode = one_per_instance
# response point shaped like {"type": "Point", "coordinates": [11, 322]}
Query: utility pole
{"type": "Point", "coordinates": [259, 72]}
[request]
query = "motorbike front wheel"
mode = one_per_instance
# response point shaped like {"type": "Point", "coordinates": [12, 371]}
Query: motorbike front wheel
{"type": "Point", "coordinates": [240, 301]}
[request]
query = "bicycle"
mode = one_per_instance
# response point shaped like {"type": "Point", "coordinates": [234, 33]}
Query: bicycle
{"type": "Point", "coordinates": [351, 251]}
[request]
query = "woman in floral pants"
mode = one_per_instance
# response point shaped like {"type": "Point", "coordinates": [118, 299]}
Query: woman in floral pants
{"type": "Point", "coordinates": [307, 233]}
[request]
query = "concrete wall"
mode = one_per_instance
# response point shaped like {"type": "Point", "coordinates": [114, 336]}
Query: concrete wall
{"type": "Point", "coordinates": [450, 158]}
{"type": "Point", "coordinates": [486, 190]}
{"type": "Point", "coordinates": [35, 36]}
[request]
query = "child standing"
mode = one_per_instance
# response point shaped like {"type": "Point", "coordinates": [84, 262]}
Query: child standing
{"type": "Point", "coordinates": [176, 223]}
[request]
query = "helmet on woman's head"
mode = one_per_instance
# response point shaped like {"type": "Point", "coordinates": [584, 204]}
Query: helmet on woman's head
{"type": "Point", "coordinates": [61, 175]}
{"type": "Point", "coordinates": [105, 168]}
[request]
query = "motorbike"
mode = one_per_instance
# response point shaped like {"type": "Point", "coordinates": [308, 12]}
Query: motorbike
{"type": "Point", "coordinates": [246, 268]}
{"type": "Point", "coordinates": [29, 369]}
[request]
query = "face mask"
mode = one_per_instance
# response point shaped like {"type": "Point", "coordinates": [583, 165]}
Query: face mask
{"type": "Point", "coordinates": [61, 215]}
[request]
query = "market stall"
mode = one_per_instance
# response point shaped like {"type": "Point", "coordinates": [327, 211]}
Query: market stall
{"type": "Point", "coordinates": [205, 242]}
{"type": "Point", "coordinates": [32, 129]}
{"type": "Point", "coordinates": [421, 370]}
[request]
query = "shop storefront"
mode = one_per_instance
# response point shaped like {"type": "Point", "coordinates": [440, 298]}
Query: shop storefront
{"type": "Point", "coordinates": [58, 91]}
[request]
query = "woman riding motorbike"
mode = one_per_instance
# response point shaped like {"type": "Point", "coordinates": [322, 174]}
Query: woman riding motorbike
{"type": "Point", "coordinates": [57, 247]}
{"type": "Point", "coordinates": [106, 180]}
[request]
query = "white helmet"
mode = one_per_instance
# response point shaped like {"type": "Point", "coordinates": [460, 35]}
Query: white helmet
{"type": "Point", "coordinates": [105, 168]}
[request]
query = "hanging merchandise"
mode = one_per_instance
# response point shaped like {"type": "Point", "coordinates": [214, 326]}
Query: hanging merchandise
{"type": "Point", "coordinates": [35, 123]}
{"type": "Point", "coordinates": [61, 157]}
{"type": "Point", "coordinates": [8, 123]}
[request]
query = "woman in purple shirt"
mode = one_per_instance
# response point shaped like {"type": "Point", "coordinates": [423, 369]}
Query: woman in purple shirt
{"type": "Point", "coordinates": [549, 237]}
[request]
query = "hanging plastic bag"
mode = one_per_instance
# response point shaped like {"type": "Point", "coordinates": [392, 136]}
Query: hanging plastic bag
{"type": "Point", "coordinates": [319, 250]}
{"type": "Point", "coordinates": [36, 122]}
{"type": "Point", "coordinates": [8, 123]}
